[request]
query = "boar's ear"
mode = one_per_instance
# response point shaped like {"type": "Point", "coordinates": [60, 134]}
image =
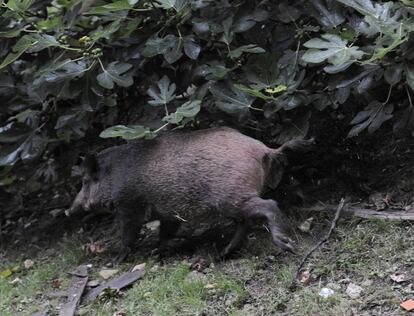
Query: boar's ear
{"type": "Point", "coordinates": [91, 164]}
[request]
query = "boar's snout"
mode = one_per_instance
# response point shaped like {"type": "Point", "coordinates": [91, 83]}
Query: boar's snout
{"type": "Point", "coordinates": [78, 204]}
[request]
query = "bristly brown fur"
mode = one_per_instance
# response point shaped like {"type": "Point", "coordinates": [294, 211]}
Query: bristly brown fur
{"type": "Point", "coordinates": [194, 177]}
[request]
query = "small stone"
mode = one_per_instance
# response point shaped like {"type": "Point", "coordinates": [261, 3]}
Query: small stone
{"type": "Point", "coordinates": [326, 292]}
{"type": "Point", "coordinates": [333, 286]}
{"type": "Point", "coordinates": [398, 278]}
{"type": "Point", "coordinates": [93, 283]}
{"type": "Point", "coordinates": [140, 266]}
{"type": "Point", "coordinates": [195, 276]}
{"type": "Point", "coordinates": [354, 291]}
{"type": "Point", "coordinates": [344, 281]}
{"type": "Point", "coordinates": [152, 226]}
{"type": "Point", "coordinates": [107, 273]}
{"type": "Point", "coordinates": [367, 283]}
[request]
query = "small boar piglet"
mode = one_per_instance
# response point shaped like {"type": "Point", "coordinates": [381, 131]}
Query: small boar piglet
{"type": "Point", "coordinates": [188, 178]}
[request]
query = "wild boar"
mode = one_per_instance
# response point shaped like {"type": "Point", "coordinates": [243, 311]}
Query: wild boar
{"type": "Point", "coordinates": [190, 177]}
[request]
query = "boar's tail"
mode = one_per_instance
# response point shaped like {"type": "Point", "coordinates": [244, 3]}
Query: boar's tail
{"type": "Point", "coordinates": [276, 162]}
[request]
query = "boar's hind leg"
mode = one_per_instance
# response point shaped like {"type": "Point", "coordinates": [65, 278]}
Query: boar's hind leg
{"type": "Point", "coordinates": [168, 228]}
{"type": "Point", "coordinates": [236, 239]}
{"type": "Point", "coordinates": [268, 210]}
{"type": "Point", "coordinates": [131, 220]}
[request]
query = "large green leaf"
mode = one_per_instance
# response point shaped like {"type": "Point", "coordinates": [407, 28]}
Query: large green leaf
{"type": "Point", "coordinates": [251, 48]}
{"type": "Point", "coordinates": [163, 93]}
{"type": "Point", "coordinates": [19, 5]}
{"type": "Point", "coordinates": [125, 132]}
{"type": "Point", "coordinates": [331, 48]}
{"type": "Point", "coordinates": [18, 49]}
{"type": "Point", "coordinates": [110, 7]}
{"type": "Point", "coordinates": [170, 47]}
{"type": "Point", "coordinates": [231, 100]}
{"type": "Point", "coordinates": [115, 72]}
{"type": "Point", "coordinates": [371, 118]}
{"type": "Point", "coordinates": [188, 110]}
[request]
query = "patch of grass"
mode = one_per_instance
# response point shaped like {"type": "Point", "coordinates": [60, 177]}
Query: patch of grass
{"type": "Point", "coordinates": [27, 295]}
{"type": "Point", "coordinates": [257, 281]}
{"type": "Point", "coordinates": [169, 291]}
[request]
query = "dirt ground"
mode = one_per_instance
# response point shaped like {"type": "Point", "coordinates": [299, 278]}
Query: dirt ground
{"type": "Point", "coordinates": [366, 267]}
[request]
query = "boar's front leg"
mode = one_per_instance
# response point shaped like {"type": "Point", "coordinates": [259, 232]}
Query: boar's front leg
{"type": "Point", "coordinates": [168, 229]}
{"type": "Point", "coordinates": [240, 233]}
{"type": "Point", "coordinates": [131, 220]}
{"type": "Point", "coordinates": [268, 210]}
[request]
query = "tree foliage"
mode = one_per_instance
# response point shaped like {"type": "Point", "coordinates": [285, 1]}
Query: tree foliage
{"type": "Point", "coordinates": [69, 68]}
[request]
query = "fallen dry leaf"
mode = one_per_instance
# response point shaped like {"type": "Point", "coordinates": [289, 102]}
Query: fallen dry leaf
{"type": "Point", "coordinates": [209, 286]}
{"type": "Point", "coordinates": [398, 278]}
{"type": "Point", "coordinates": [305, 277]}
{"type": "Point", "coordinates": [15, 281]}
{"type": "Point", "coordinates": [94, 248]}
{"type": "Point", "coordinates": [56, 283]}
{"type": "Point", "coordinates": [107, 273]}
{"type": "Point", "coordinates": [306, 225]}
{"type": "Point", "coordinates": [354, 291]}
{"type": "Point", "coordinates": [408, 305]}
{"type": "Point", "coordinates": [28, 264]}
{"type": "Point", "coordinates": [6, 273]}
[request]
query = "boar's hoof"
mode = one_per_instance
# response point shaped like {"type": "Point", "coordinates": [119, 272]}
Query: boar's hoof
{"type": "Point", "coordinates": [285, 243]}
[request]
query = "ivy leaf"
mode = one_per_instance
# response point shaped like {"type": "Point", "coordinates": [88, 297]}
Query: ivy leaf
{"type": "Point", "coordinates": [115, 73]}
{"type": "Point", "coordinates": [188, 110]}
{"type": "Point", "coordinates": [332, 48]}
{"type": "Point", "coordinates": [163, 93]}
{"type": "Point", "coordinates": [371, 118]}
{"type": "Point", "coordinates": [231, 100]}
{"type": "Point", "coordinates": [251, 48]}
{"type": "Point", "coordinates": [126, 132]}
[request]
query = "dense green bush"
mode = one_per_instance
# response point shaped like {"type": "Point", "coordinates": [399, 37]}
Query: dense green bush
{"type": "Point", "coordinates": [130, 68]}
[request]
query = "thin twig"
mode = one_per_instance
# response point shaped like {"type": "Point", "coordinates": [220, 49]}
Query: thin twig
{"type": "Point", "coordinates": [323, 240]}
